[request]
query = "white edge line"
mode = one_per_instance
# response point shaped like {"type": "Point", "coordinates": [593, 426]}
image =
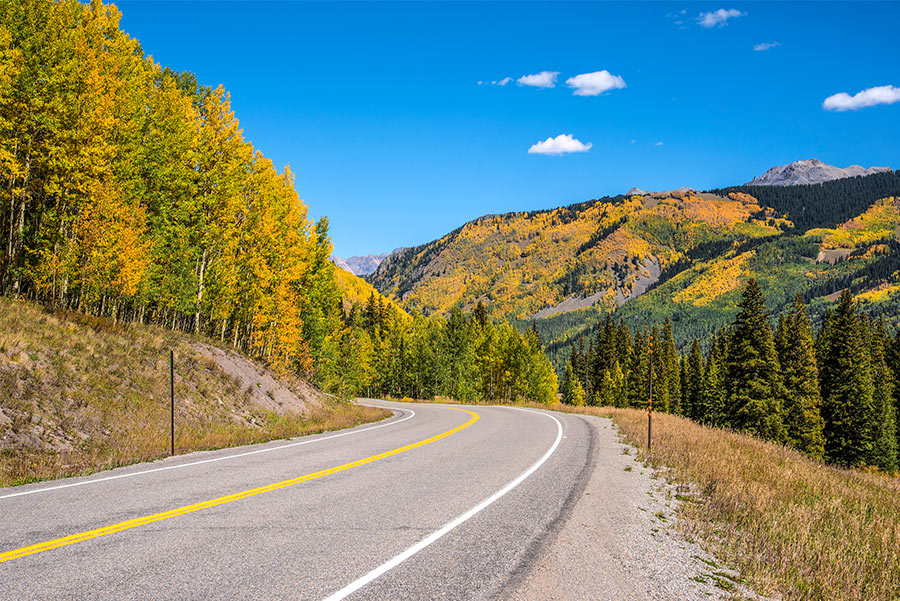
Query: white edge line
{"type": "Point", "coordinates": [180, 465]}
{"type": "Point", "coordinates": [393, 563]}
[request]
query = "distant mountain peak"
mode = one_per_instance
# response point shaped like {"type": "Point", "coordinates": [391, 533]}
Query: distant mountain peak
{"type": "Point", "coordinates": [809, 171]}
{"type": "Point", "coordinates": [635, 191]}
{"type": "Point", "coordinates": [360, 266]}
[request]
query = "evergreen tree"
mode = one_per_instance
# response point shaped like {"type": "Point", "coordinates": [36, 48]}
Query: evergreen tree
{"type": "Point", "coordinates": [638, 373]}
{"type": "Point", "coordinates": [753, 381]}
{"type": "Point", "coordinates": [892, 355]}
{"type": "Point", "coordinates": [479, 314]}
{"type": "Point", "coordinates": [884, 452]}
{"type": "Point", "coordinates": [571, 389]}
{"type": "Point", "coordinates": [715, 392]}
{"type": "Point", "coordinates": [845, 379]}
{"type": "Point", "coordinates": [669, 357]}
{"type": "Point", "coordinates": [693, 404]}
{"type": "Point", "coordinates": [661, 398]}
{"type": "Point", "coordinates": [797, 356]}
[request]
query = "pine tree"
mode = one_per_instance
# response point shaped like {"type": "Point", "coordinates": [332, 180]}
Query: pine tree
{"type": "Point", "coordinates": [884, 452]}
{"type": "Point", "coordinates": [845, 379]}
{"type": "Point", "coordinates": [694, 374]}
{"type": "Point", "coordinates": [714, 393]}
{"type": "Point", "coordinates": [797, 356]}
{"type": "Point", "coordinates": [661, 376]}
{"type": "Point", "coordinates": [571, 389]}
{"type": "Point", "coordinates": [638, 373]}
{"type": "Point", "coordinates": [892, 356]}
{"type": "Point", "coordinates": [753, 381]}
{"type": "Point", "coordinates": [669, 356]}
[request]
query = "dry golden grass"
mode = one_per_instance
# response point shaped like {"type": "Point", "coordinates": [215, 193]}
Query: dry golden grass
{"type": "Point", "coordinates": [792, 526]}
{"type": "Point", "coordinates": [80, 394]}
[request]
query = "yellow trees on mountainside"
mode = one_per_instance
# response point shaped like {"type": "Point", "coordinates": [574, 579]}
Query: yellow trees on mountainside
{"type": "Point", "coordinates": [113, 253]}
{"type": "Point", "coordinates": [128, 190]}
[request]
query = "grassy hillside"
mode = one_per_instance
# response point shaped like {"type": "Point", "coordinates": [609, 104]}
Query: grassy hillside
{"type": "Point", "coordinates": [79, 394]}
{"type": "Point", "coordinates": [795, 528]}
{"type": "Point", "coordinates": [604, 251]}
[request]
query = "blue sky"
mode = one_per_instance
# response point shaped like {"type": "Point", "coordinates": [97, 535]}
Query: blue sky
{"type": "Point", "coordinates": [378, 110]}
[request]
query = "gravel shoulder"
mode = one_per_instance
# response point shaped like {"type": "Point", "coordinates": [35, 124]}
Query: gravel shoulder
{"type": "Point", "coordinates": [620, 540]}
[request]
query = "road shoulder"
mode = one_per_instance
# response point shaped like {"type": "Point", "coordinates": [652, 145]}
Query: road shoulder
{"type": "Point", "coordinates": [620, 540]}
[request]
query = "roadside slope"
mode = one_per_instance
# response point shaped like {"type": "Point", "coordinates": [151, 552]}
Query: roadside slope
{"type": "Point", "coordinates": [80, 394]}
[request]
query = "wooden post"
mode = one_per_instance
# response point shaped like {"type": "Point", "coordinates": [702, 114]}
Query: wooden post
{"type": "Point", "coordinates": [650, 401]}
{"type": "Point", "coordinates": [172, 403]}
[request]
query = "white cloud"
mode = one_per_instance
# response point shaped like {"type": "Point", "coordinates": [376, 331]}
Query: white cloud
{"type": "Point", "coordinates": [561, 144]}
{"type": "Point", "coordinates": [633, 142]}
{"type": "Point", "coordinates": [658, 144]}
{"type": "Point", "coordinates": [869, 97]}
{"type": "Point", "coordinates": [719, 17]}
{"type": "Point", "coordinates": [594, 84]}
{"type": "Point", "coordinates": [766, 46]}
{"type": "Point", "coordinates": [544, 79]}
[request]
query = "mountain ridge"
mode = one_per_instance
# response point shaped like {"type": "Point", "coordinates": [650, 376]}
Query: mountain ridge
{"type": "Point", "coordinates": [362, 265]}
{"type": "Point", "coordinates": [680, 254]}
{"type": "Point", "coordinates": [810, 171]}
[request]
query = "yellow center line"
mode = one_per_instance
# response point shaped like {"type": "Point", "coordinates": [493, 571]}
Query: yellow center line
{"type": "Point", "coordinates": [156, 517]}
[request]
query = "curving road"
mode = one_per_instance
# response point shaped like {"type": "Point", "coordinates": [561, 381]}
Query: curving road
{"type": "Point", "coordinates": [439, 502]}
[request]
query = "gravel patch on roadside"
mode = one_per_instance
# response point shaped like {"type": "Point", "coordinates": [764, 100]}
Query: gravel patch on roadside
{"type": "Point", "coordinates": [621, 542]}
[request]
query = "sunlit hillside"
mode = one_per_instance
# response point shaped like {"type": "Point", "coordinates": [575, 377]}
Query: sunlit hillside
{"type": "Point", "coordinates": [357, 291]}
{"type": "Point", "coordinates": [538, 264]}
{"type": "Point", "coordinates": [681, 255]}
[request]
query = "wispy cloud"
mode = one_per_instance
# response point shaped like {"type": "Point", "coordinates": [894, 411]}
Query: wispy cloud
{"type": "Point", "coordinates": [868, 97]}
{"type": "Point", "coordinates": [544, 79]}
{"type": "Point", "coordinates": [677, 18]}
{"type": "Point", "coordinates": [561, 144]}
{"type": "Point", "coordinates": [594, 84]}
{"type": "Point", "coordinates": [766, 46]}
{"type": "Point", "coordinates": [719, 18]}
{"type": "Point", "coordinates": [496, 82]}
{"type": "Point", "coordinates": [657, 143]}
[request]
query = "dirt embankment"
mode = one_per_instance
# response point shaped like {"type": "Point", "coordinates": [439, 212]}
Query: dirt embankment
{"type": "Point", "coordinates": [78, 394]}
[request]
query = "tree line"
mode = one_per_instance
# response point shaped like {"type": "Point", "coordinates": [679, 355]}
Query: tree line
{"type": "Point", "coordinates": [823, 205]}
{"type": "Point", "coordinates": [385, 352]}
{"type": "Point", "coordinates": [831, 394]}
{"type": "Point", "coordinates": [128, 191]}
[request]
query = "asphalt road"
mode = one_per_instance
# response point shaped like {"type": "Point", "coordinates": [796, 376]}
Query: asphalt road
{"type": "Point", "coordinates": [439, 502]}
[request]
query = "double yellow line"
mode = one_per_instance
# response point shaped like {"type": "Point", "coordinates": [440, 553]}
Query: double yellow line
{"type": "Point", "coordinates": [156, 517]}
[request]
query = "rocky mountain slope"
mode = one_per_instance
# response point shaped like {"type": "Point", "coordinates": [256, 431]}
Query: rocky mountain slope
{"type": "Point", "coordinates": [360, 266]}
{"type": "Point", "coordinates": [811, 171]}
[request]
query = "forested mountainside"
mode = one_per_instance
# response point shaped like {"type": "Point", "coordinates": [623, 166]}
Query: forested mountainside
{"type": "Point", "coordinates": [601, 252]}
{"type": "Point", "coordinates": [357, 291]}
{"type": "Point", "coordinates": [130, 194]}
{"type": "Point", "coordinates": [682, 255]}
{"type": "Point", "coordinates": [847, 239]}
